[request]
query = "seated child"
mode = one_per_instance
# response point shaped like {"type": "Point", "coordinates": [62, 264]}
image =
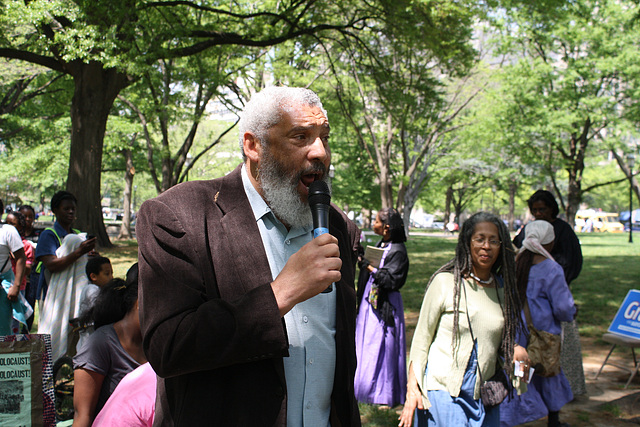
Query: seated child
{"type": "Point", "coordinates": [100, 272]}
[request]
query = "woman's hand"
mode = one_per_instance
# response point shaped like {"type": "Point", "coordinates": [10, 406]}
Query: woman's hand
{"type": "Point", "coordinates": [14, 290]}
{"type": "Point", "coordinates": [87, 246]}
{"type": "Point", "coordinates": [413, 401]}
{"type": "Point", "coordinates": [520, 354]}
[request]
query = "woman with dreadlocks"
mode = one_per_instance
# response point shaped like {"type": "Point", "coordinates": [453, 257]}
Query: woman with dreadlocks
{"type": "Point", "coordinates": [474, 294]}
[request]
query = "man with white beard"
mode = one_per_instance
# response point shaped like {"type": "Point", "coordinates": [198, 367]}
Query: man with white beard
{"type": "Point", "coordinates": [234, 318]}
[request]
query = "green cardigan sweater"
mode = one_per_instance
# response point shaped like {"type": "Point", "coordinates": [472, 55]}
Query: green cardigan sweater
{"type": "Point", "coordinates": [432, 341]}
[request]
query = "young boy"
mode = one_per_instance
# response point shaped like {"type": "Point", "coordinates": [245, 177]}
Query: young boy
{"type": "Point", "coordinates": [100, 272]}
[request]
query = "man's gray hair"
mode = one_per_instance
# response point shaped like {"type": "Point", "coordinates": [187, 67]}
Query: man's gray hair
{"type": "Point", "coordinates": [265, 109]}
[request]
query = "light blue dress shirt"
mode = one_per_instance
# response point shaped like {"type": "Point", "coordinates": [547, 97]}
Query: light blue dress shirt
{"type": "Point", "coordinates": [311, 325]}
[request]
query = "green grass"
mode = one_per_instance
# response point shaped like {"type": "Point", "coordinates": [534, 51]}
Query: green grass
{"type": "Point", "coordinates": [609, 271]}
{"type": "Point", "coordinates": [376, 416]}
{"type": "Point", "coordinates": [611, 409]}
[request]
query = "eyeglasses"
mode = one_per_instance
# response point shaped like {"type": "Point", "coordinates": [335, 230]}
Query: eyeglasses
{"type": "Point", "coordinates": [479, 241]}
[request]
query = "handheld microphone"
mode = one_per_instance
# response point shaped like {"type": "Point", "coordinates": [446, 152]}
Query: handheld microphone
{"type": "Point", "coordinates": [319, 198]}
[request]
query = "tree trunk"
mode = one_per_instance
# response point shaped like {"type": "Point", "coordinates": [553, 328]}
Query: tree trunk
{"type": "Point", "coordinates": [95, 90]}
{"type": "Point", "coordinates": [125, 227]}
{"type": "Point", "coordinates": [574, 197]}
{"type": "Point", "coordinates": [512, 203]}
{"type": "Point", "coordinates": [578, 150]}
{"type": "Point", "coordinates": [447, 204]}
{"type": "Point", "coordinates": [384, 164]}
{"type": "Point", "coordinates": [366, 218]}
{"type": "Point", "coordinates": [406, 214]}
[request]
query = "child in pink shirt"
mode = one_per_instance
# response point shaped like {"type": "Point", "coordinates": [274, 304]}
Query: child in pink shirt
{"type": "Point", "coordinates": [133, 402]}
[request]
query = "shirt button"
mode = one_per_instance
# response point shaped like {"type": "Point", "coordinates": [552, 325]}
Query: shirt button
{"type": "Point", "coordinates": [308, 405]}
{"type": "Point", "coordinates": [310, 361]}
{"type": "Point", "coordinates": [305, 319]}
{"type": "Point", "coordinates": [288, 242]}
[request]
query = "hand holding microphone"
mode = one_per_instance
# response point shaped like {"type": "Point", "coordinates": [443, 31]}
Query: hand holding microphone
{"type": "Point", "coordinates": [319, 199]}
{"type": "Point", "coordinates": [317, 264]}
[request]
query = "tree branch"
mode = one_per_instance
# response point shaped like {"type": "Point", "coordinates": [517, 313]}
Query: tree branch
{"type": "Point", "coordinates": [33, 58]}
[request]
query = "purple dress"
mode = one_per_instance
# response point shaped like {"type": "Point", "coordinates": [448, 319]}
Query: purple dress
{"type": "Point", "coordinates": [550, 302]}
{"type": "Point", "coordinates": [381, 373]}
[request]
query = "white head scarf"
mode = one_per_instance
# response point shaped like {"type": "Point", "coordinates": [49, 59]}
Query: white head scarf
{"type": "Point", "coordinates": [536, 234]}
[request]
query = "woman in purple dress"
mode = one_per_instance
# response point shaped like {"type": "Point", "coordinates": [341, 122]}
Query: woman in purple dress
{"type": "Point", "coordinates": [381, 375]}
{"type": "Point", "coordinates": [542, 282]}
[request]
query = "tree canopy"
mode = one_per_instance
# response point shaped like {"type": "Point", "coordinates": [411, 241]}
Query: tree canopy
{"type": "Point", "coordinates": [453, 100]}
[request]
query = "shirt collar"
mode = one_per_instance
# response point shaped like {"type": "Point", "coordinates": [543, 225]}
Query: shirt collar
{"type": "Point", "coordinates": [258, 205]}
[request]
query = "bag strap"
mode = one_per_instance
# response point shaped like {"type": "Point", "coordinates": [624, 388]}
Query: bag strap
{"type": "Point", "coordinates": [4, 265]}
{"type": "Point", "coordinates": [73, 230]}
{"type": "Point", "coordinates": [527, 313]}
{"type": "Point", "coordinates": [466, 305]}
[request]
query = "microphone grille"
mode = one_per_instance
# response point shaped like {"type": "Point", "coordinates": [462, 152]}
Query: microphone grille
{"type": "Point", "coordinates": [319, 193]}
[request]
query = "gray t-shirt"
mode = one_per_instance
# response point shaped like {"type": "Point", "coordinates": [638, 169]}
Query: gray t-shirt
{"type": "Point", "coordinates": [103, 354]}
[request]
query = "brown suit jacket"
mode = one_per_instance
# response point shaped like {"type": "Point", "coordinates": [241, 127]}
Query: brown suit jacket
{"type": "Point", "coordinates": [210, 322]}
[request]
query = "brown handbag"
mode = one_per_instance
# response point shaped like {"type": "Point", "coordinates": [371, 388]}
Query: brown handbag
{"type": "Point", "coordinates": [544, 348]}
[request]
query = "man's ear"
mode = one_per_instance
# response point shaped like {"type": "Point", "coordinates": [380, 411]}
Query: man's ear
{"type": "Point", "coordinates": [93, 277]}
{"type": "Point", "coordinates": [252, 147]}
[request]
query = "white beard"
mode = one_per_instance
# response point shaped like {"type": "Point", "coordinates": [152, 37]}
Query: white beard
{"type": "Point", "coordinates": [281, 193]}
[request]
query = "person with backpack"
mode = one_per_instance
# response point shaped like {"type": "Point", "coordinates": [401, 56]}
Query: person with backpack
{"type": "Point", "coordinates": [63, 205]}
{"type": "Point", "coordinates": [62, 251]}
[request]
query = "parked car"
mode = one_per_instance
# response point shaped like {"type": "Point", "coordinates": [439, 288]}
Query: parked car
{"type": "Point", "coordinates": [624, 219]}
{"type": "Point", "coordinates": [437, 225]}
{"type": "Point", "coordinates": [590, 220]}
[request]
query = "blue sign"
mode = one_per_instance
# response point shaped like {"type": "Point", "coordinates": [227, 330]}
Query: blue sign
{"type": "Point", "coordinates": [627, 320]}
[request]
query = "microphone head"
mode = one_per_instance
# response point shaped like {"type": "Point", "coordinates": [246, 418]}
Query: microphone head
{"type": "Point", "coordinates": [319, 193]}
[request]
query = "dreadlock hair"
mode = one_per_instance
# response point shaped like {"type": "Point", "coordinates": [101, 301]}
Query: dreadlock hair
{"type": "Point", "coordinates": [524, 261]}
{"type": "Point", "coordinates": [393, 219]}
{"type": "Point", "coordinates": [461, 265]}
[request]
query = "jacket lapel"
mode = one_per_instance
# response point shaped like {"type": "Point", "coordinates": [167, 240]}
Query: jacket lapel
{"type": "Point", "coordinates": [238, 242]}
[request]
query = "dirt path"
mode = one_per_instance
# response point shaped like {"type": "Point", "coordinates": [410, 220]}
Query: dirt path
{"type": "Point", "coordinates": [607, 403]}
